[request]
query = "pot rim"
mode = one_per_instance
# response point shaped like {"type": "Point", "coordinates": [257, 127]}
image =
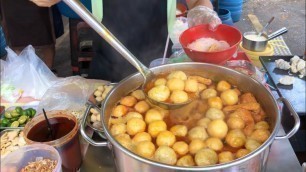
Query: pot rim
{"type": "Point", "coordinates": [255, 33]}
{"type": "Point", "coordinates": [238, 161]}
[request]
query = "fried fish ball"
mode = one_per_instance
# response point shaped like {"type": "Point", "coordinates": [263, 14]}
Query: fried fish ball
{"type": "Point", "coordinates": [208, 93]}
{"type": "Point", "coordinates": [98, 93]}
{"type": "Point", "coordinates": [165, 154]}
{"type": "Point", "coordinates": [179, 96]}
{"type": "Point", "coordinates": [128, 101]}
{"type": "Point", "coordinates": [131, 115]}
{"type": "Point", "coordinates": [153, 115]}
{"type": "Point", "coordinates": [191, 85]}
{"type": "Point", "coordinates": [165, 138]}
{"type": "Point", "coordinates": [223, 85]}
{"type": "Point", "coordinates": [217, 128]}
{"type": "Point", "coordinates": [262, 125]}
{"type": "Point", "coordinates": [124, 140]}
{"type": "Point", "coordinates": [214, 143]}
{"type": "Point", "coordinates": [206, 157]}
{"type": "Point", "coordinates": [94, 111]}
{"type": "Point", "coordinates": [143, 136]}
{"type": "Point", "coordinates": [198, 132]}
{"type": "Point", "coordinates": [251, 144]}
{"type": "Point", "coordinates": [196, 145]}
{"type": "Point", "coordinates": [119, 111]}
{"type": "Point", "coordinates": [117, 120]}
{"type": "Point", "coordinates": [186, 161]}
{"type": "Point", "coordinates": [138, 94]}
{"type": "Point", "coordinates": [159, 93]}
{"type": "Point", "coordinates": [201, 87]}
{"type": "Point", "coordinates": [156, 127]}
{"type": "Point", "coordinates": [118, 129]}
{"type": "Point", "coordinates": [235, 138]}
{"type": "Point", "coordinates": [162, 111]}
{"type": "Point", "coordinates": [229, 97]}
{"type": "Point", "coordinates": [214, 113]}
{"type": "Point", "coordinates": [145, 149]}
{"type": "Point", "coordinates": [175, 84]}
{"type": "Point", "coordinates": [181, 148]}
{"type": "Point", "coordinates": [177, 74]}
{"type": "Point", "coordinates": [135, 125]}
{"type": "Point", "coordinates": [179, 130]}
{"type": "Point", "coordinates": [204, 122]}
{"type": "Point", "coordinates": [142, 106]}
{"type": "Point", "coordinates": [235, 123]}
{"type": "Point", "coordinates": [215, 102]}
{"type": "Point", "coordinates": [260, 135]}
{"type": "Point", "coordinates": [160, 81]}
{"type": "Point", "coordinates": [101, 88]}
{"type": "Point", "coordinates": [225, 157]}
{"type": "Point", "coordinates": [241, 153]}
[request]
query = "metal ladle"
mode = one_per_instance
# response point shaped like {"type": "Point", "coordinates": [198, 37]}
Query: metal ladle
{"type": "Point", "coordinates": [148, 75]}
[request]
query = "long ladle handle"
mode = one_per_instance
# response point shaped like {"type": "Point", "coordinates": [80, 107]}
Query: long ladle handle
{"type": "Point", "coordinates": [264, 28]}
{"type": "Point", "coordinates": [79, 8]}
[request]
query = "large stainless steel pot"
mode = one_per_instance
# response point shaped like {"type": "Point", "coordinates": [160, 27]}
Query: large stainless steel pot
{"type": "Point", "coordinates": [127, 161]}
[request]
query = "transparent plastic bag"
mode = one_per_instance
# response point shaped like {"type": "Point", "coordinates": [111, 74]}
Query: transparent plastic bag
{"type": "Point", "coordinates": [203, 15]}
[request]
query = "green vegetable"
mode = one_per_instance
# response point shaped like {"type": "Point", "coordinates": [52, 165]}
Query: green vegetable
{"type": "Point", "coordinates": [24, 112]}
{"type": "Point", "coordinates": [18, 109]}
{"type": "Point", "coordinates": [28, 112]}
{"type": "Point", "coordinates": [15, 124]}
{"type": "Point", "coordinates": [22, 119]}
{"type": "Point", "coordinates": [33, 112]}
{"type": "Point", "coordinates": [15, 114]}
{"type": "Point", "coordinates": [7, 115]}
{"type": "Point", "coordinates": [13, 119]}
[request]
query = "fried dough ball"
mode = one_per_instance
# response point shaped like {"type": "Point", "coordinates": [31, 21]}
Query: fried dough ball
{"type": "Point", "coordinates": [214, 113]}
{"type": "Point", "coordinates": [179, 96]}
{"type": "Point", "coordinates": [260, 135]}
{"type": "Point", "coordinates": [98, 93]}
{"type": "Point", "coordinates": [143, 136]}
{"type": "Point", "coordinates": [217, 128]}
{"type": "Point", "coordinates": [229, 97]}
{"type": "Point", "coordinates": [204, 122]}
{"type": "Point", "coordinates": [165, 154]}
{"type": "Point", "coordinates": [135, 125]}
{"type": "Point", "coordinates": [177, 74]}
{"type": "Point", "coordinates": [186, 161]}
{"type": "Point", "coordinates": [101, 88]}
{"type": "Point", "coordinates": [175, 84]}
{"type": "Point", "coordinates": [215, 102]}
{"type": "Point", "coordinates": [196, 145]}
{"type": "Point", "coordinates": [206, 157]}
{"type": "Point", "coordinates": [118, 129]}
{"type": "Point", "coordinates": [117, 120]}
{"type": "Point", "coordinates": [181, 148]}
{"type": "Point", "coordinates": [214, 143]}
{"type": "Point", "coordinates": [201, 87]}
{"type": "Point", "coordinates": [120, 111]}
{"type": "Point", "coordinates": [131, 115]}
{"type": "Point", "coordinates": [153, 115]}
{"type": "Point", "coordinates": [165, 138]}
{"type": "Point", "coordinates": [262, 125]}
{"type": "Point", "coordinates": [138, 94]}
{"type": "Point", "coordinates": [241, 153]}
{"type": "Point", "coordinates": [225, 157]}
{"type": "Point", "coordinates": [223, 85]}
{"type": "Point", "coordinates": [159, 93]}
{"type": "Point", "coordinates": [156, 127]}
{"type": "Point", "coordinates": [198, 132]}
{"type": "Point", "coordinates": [235, 138]}
{"type": "Point", "coordinates": [160, 81]}
{"type": "Point", "coordinates": [179, 130]}
{"type": "Point", "coordinates": [124, 140]}
{"type": "Point", "coordinates": [235, 123]}
{"type": "Point", "coordinates": [128, 101]}
{"type": "Point", "coordinates": [191, 85]}
{"type": "Point", "coordinates": [142, 106]}
{"type": "Point", "coordinates": [251, 144]}
{"type": "Point", "coordinates": [145, 149]}
{"type": "Point", "coordinates": [208, 93]}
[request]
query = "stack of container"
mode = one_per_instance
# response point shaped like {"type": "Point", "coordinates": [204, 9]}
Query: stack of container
{"type": "Point", "coordinates": [234, 6]}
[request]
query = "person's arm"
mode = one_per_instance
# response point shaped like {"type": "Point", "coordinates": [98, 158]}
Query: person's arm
{"type": "Point", "coordinates": [192, 3]}
{"type": "Point", "coordinates": [45, 3]}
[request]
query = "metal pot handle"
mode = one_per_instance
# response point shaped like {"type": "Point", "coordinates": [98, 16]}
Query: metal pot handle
{"type": "Point", "coordinates": [296, 120]}
{"type": "Point", "coordinates": [84, 124]}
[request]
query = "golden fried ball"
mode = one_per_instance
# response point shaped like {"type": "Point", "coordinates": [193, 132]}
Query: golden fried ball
{"type": "Point", "coordinates": [201, 87]}
{"type": "Point", "coordinates": [204, 122]}
{"type": "Point", "coordinates": [120, 111]}
{"type": "Point", "coordinates": [198, 132]}
{"type": "Point", "coordinates": [179, 96]}
{"type": "Point", "coordinates": [138, 94]}
{"type": "Point", "coordinates": [131, 115]}
{"type": "Point", "coordinates": [177, 74]}
{"type": "Point", "coordinates": [186, 161]}
{"type": "Point", "coordinates": [214, 113]}
{"type": "Point", "coordinates": [196, 145]}
{"type": "Point", "coordinates": [241, 153]}
{"type": "Point", "coordinates": [98, 93]}
{"type": "Point", "coordinates": [143, 136]}
{"type": "Point", "coordinates": [225, 157]}
{"type": "Point", "coordinates": [165, 138]}
{"type": "Point", "coordinates": [156, 127]}
{"type": "Point", "coordinates": [153, 115]}
{"type": "Point", "coordinates": [191, 85]}
{"type": "Point", "coordinates": [179, 130]}
{"type": "Point", "coordinates": [118, 129]}
{"type": "Point", "coordinates": [162, 111]}
{"type": "Point", "coordinates": [217, 128]}
{"type": "Point", "coordinates": [159, 93]}
{"type": "Point", "coordinates": [260, 135]}
{"type": "Point", "coordinates": [117, 120]}
{"type": "Point", "coordinates": [128, 101]}
{"type": "Point", "coordinates": [145, 149]}
{"type": "Point", "coordinates": [206, 157]}
{"type": "Point", "coordinates": [160, 81]}
{"type": "Point", "coordinates": [229, 97]}
{"type": "Point", "coordinates": [208, 93]}
{"type": "Point", "coordinates": [135, 125]}
{"type": "Point", "coordinates": [165, 154]}
{"type": "Point", "coordinates": [175, 84]}
{"type": "Point", "coordinates": [181, 148]}
{"type": "Point", "coordinates": [215, 102]}
{"type": "Point", "coordinates": [223, 85]}
{"type": "Point", "coordinates": [142, 106]}
{"type": "Point", "coordinates": [235, 123]}
{"type": "Point", "coordinates": [235, 138]}
{"type": "Point", "coordinates": [251, 144]}
{"type": "Point", "coordinates": [262, 125]}
{"type": "Point", "coordinates": [124, 140]}
{"type": "Point", "coordinates": [214, 143]}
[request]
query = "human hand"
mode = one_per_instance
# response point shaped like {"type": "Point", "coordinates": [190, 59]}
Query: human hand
{"type": "Point", "coordinates": [45, 3]}
{"type": "Point", "coordinates": [203, 15]}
